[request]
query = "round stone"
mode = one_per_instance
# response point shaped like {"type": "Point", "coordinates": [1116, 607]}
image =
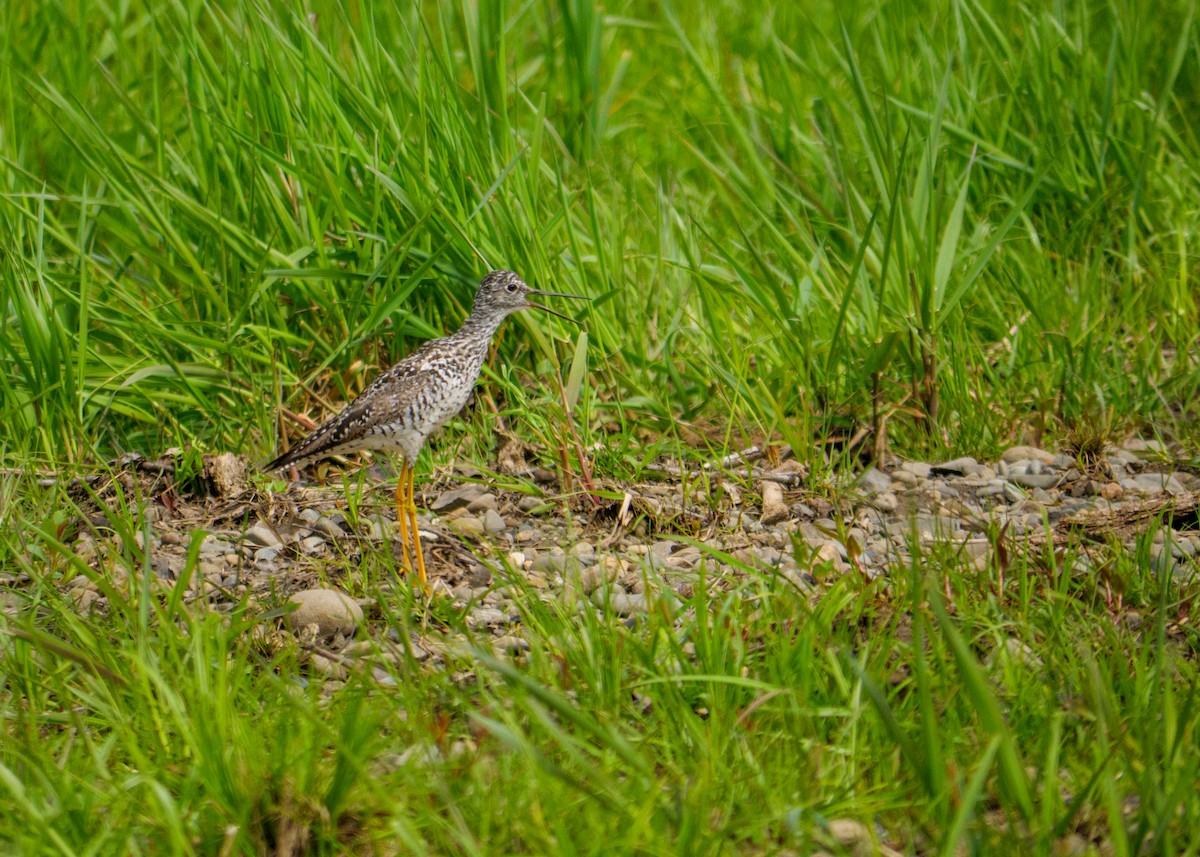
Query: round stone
{"type": "Point", "coordinates": [331, 611]}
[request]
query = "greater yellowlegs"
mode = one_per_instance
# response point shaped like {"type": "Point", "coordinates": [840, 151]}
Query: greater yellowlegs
{"type": "Point", "coordinates": [416, 397]}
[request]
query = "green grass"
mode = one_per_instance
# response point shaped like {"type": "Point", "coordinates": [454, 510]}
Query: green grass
{"type": "Point", "coordinates": [950, 226]}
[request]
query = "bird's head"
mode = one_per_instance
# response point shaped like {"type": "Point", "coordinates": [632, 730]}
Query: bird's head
{"type": "Point", "coordinates": [505, 292]}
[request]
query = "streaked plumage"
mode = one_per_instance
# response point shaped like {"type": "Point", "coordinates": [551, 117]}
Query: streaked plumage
{"type": "Point", "coordinates": [401, 408]}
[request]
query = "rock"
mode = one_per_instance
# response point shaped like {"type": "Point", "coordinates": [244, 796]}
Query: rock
{"type": "Point", "coordinates": [1153, 483]}
{"type": "Point", "coordinates": [333, 612]}
{"type": "Point", "coordinates": [919, 469]}
{"type": "Point", "coordinates": [774, 509]}
{"type": "Point", "coordinates": [622, 603]}
{"type": "Point", "coordinates": [957, 466]}
{"type": "Point", "coordinates": [660, 550]}
{"type": "Point", "coordinates": [607, 571]}
{"type": "Point", "coordinates": [875, 481]}
{"type": "Point", "coordinates": [483, 503]}
{"type": "Point", "coordinates": [885, 502]}
{"type": "Point", "coordinates": [554, 561]}
{"type": "Point", "coordinates": [510, 644]}
{"type": "Point", "coordinates": [266, 554]}
{"type": "Point", "coordinates": [309, 515]}
{"type": "Point", "coordinates": [1145, 448]}
{"type": "Point", "coordinates": [1034, 480]}
{"type": "Point", "coordinates": [466, 525]}
{"type": "Point", "coordinates": [327, 667]}
{"type": "Point", "coordinates": [458, 498]}
{"type": "Point", "coordinates": [853, 836]}
{"type": "Point", "coordinates": [492, 522]}
{"type": "Point", "coordinates": [1026, 453]}
{"type": "Point", "coordinates": [214, 546]}
{"type": "Point", "coordinates": [312, 544]}
{"type": "Point", "coordinates": [487, 617]}
{"type": "Point", "coordinates": [227, 473]}
{"type": "Point", "coordinates": [262, 535]}
{"type": "Point", "coordinates": [584, 551]}
{"type": "Point", "coordinates": [328, 527]}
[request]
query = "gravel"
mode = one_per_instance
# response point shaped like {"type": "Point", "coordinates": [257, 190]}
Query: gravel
{"type": "Point", "coordinates": [492, 553]}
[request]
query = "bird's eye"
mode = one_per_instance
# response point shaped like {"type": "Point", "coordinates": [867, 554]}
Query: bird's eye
{"type": "Point", "coordinates": [512, 287]}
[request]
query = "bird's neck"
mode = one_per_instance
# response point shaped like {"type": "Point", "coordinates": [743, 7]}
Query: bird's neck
{"type": "Point", "coordinates": [481, 326]}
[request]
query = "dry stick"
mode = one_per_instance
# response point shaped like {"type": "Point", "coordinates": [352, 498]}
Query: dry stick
{"type": "Point", "coordinates": [583, 462]}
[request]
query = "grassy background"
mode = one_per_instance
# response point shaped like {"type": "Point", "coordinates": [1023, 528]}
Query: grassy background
{"type": "Point", "coordinates": [962, 224]}
{"type": "Point", "coordinates": [957, 224]}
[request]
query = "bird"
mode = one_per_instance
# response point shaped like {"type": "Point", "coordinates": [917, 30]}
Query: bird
{"type": "Point", "coordinates": [402, 407]}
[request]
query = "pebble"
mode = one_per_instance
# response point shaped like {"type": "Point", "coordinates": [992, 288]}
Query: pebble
{"type": "Point", "coordinates": [458, 498]}
{"type": "Point", "coordinates": [662, 549]}
{"type": "Point", "coordinates": [1034, 480]}
{"type": "Point", "coordinates": [492, 522]}
{"type": "Point", "coordinates": [312, 544]}
{"type": "Point", "coordinates": [1153, 483]}
{"type": "Point", "coordinates": [483, 503]}
{"type": "Point", "coordinates": [487, 616]}
{"type": "Point", "coordinates": [466, 525]}
{"type": "Point", "coordinates": [214, 545]}
{"type": "Point", "coordinates": [326, 526]}
{"type": "Point", "coordinates": [885, 502]}
{"type": "Point", "coordinates": [261, 534]}
{"type": "Point", "coordinates": [622, 603]}
{"type": "Point", "coordinates": [510, 644]}
{"type": "Point", "coordinates": [1026, 453]}
{"type": "Point", "coordinates": [774, 509]}
{"type": "Point", "coordinates": [333, 612]}
{"type": "Point", "coordinates": [874, 480]}
{"type": "Point", "coordinates": [958, 466]}
{"type": "Point", "coordinates": [592, 580]}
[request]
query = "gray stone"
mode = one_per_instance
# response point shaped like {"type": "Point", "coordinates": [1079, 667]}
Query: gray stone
{"type": "Point", "coordinates": [483, 503]}
{"type": "Point", "coordinates": [875, 480]}
{"type": "Point", "coordinates": [660, 550]}
{"type": "Point", "coordinates": [528, 502]}
{"type": "Point", "coordinates": [886, 502]}
{"type": "Point", "coordinates": [266, 554]}
{"type": "Point", "coordinates": [214, 546]}
{"type": "Point", "coordinates": [510, 644]}
{"type": "Point", "coordinates": [1034, 480]}
{"type": "Point", "coordinates": [622, 603]}
{"type": "Point", "coordinates": [774, 509]}
{"type": "Point", "coordinates": [1026, 453]}
{"type": "Point", "coordinates": [309, 516]}
{"type": "Point", "coordinates": [919, 469]}
{"type": "Point", "coordinates": [487, 616]}
{"type": "Point", "coordinates": [333, 612]}
{"type": "Point", "coordinates": [466, 525]}
{"type": "Point", "coordinates": [585, 551]}
{"type": "Point", "coordinates": [493, 523]}
{"type": "Point", "coordinates": [458, 498]}
{"type": "Point", "coordinates": [262, 535]}
{"type": "Point", "coordinates": [960, 466]}
{"type": "Point", "coordinates": [328, 527]}
{"type": "Point", "coordinates": [1153, 483]}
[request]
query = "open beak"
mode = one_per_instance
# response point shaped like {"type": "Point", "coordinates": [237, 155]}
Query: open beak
{"type": "Point", "coordinates": [540, 293]}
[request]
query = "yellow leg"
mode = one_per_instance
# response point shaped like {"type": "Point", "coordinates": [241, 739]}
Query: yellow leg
{"type": "Point", "coordinates": [402, 514]}
{"type": "Point", "coordinates": [416, 533]}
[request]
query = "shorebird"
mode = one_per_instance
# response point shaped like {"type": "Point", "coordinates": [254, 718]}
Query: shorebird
{"type": "Point", "coordinates": [401, 408]}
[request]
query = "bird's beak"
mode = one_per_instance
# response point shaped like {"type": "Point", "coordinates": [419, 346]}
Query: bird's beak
{"type": "Point", "coordinates": [540, 293]}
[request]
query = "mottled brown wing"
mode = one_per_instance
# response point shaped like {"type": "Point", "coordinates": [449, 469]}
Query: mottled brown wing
{"type": "Point", "coordinates": [383, 401]}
